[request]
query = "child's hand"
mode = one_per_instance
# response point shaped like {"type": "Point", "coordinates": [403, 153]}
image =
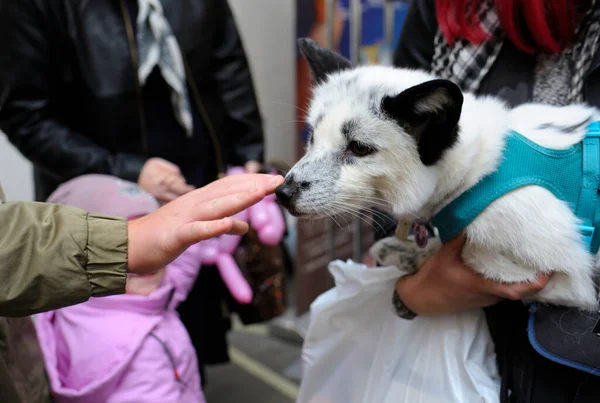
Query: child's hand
{"type": "Point", "coordinates": [158, 238]}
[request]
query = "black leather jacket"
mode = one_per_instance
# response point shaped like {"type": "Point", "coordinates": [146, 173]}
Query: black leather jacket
{"type": "Point", "coordinates": [73, 104]}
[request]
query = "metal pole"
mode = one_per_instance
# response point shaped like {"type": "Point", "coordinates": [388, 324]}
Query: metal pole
{"type": "Point", "coordinates": [388, 15]}
{"type": "Point", "coordinates": [355, 30]}
{"type": "Point", "coordinates": [329, 23]}
{"type": "Point", "coordinates": [330, 44]}
{"type": "Point", "coordinates": [355, 44]}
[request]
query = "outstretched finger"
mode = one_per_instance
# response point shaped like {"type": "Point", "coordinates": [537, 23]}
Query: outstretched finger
{"type": "Point", "coordinates": [236, 184]}
{"type": "Point", "coordinates": [225, 206]}
{"type": "Point", "coordinates": [239, 227]}
{"type": "Point", "coordinates": [198, 231]}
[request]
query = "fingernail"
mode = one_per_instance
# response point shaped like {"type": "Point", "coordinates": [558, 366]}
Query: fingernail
{"type": "Point", "coordinates": [276, 180]}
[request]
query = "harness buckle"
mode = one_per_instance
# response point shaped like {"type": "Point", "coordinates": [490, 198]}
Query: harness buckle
{"type": "Point", "coordinates": [587, 232]}
{"type": "Point", "coordinates": [593, 130]}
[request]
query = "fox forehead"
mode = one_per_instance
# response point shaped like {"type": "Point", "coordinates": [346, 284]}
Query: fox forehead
{"type": "Point", "coordinates": [331, 130]}
{"type": "Point", "coordinates": [360, 90]}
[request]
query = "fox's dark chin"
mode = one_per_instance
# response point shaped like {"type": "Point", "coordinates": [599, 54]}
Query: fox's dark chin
{"type": "Point", "coordinates": [325, 212]}
{"type": "Point", "coordinates": [304, 215]}
{"type": "Point", "coordinates": [293, 211]}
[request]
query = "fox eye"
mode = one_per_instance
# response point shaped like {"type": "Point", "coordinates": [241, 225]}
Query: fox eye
{"type": "Point", "coordinates": [359, 149]}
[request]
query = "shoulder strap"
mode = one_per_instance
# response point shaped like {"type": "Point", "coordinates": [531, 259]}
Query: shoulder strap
{"type": "Point", "coordinates": [588, 197]}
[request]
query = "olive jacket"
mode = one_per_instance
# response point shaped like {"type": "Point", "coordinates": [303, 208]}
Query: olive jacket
{"type": "Point", "coordinates": [51, 256]}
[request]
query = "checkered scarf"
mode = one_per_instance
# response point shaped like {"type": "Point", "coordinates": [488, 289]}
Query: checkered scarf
{"type": "Point", "coordinates": [157, 46]}
{"type": "Point", "coordinates": [583, 51]}
{"type": "Point", "coordinates": [464, 63]}
{"type": "Point", "coordinates": [467, 64]}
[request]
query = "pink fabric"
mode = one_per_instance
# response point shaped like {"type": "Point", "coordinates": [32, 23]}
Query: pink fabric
{"type": "Point", "coordinates": [126, 348]}
{"type": "Point", "coordinates": [104, 194]}
{"type": "Point", "coordinates": [106, 349]}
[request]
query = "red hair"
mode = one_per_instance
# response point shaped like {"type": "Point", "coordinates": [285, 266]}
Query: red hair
{"type": "Point", "coordinates": [546, 26]}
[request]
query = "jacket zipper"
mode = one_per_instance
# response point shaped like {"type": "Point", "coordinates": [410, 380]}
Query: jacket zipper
{"type": "Point", "coordinates": [135, 65]}
{"type": "Point", "coordinates": [176, 373]}
{"type": "Point", "coordinates": [205, 118]}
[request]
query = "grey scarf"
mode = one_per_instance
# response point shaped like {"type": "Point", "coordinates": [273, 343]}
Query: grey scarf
{"type": "Point", "coordinates": [158, 47]}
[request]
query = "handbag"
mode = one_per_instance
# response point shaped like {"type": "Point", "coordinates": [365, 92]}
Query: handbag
{"type": "Point", "coordinates": [566, 336]}
{"type": "Point", "coordinates": [264, 267]}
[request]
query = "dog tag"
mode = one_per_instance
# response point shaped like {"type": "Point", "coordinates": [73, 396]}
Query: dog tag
{"type": "Point", "coordinates": [421, 234]}
{"type": "Point", "coordinates": [403, 229]}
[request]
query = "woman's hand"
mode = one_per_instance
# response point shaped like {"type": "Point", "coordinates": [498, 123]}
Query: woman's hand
{"type": "Point", "coordinates": [444, 285]}
{"type": "Point", "coordinates": [163, 180]}
{"type": "Point", "coordinates": [252, 167]}
{"type": "Point", "coordinates": [159, 237]}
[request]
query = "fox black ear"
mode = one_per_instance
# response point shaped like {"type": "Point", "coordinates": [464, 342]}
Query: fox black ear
{"type": "Point", "coordinates": [429, 112]}
{"type": "Point", "coordinates": [321, 61]}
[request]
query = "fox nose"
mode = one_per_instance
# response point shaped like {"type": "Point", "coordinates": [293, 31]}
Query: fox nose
{"type": "Point", "coordinates": [285, 192]}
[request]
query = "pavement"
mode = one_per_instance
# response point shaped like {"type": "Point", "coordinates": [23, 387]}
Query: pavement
{"type": "Point", "coordinates": [265, 362]}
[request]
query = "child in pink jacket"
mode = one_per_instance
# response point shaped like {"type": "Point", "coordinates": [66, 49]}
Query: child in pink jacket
{"type": "Point", "coordinates": [126, 348]}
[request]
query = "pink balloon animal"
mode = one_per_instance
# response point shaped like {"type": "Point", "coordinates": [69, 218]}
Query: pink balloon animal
{"type": "Point", "coordinates": [267, 219]}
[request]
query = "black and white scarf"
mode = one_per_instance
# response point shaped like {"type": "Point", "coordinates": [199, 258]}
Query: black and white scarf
{"type": "Point", "coordinates": [467, 64]}
{"type": "Point", "coordinates": [157, 46]}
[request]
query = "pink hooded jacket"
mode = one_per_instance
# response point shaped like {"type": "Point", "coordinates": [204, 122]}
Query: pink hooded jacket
{"type": "Point", "coordinates": [125, 348]}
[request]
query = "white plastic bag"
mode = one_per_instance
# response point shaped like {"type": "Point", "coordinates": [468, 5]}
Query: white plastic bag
{"type": "Point", "coordinates": [358, 351]}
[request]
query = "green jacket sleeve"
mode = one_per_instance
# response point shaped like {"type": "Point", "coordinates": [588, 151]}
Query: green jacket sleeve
{"type": "Point", "coordinates": [52, 256]}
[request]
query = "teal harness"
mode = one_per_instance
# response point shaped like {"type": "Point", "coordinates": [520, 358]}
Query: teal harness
{"type": "Point", "coordinates": [572, 175]}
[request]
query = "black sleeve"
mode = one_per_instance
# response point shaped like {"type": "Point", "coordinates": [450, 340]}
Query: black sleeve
{"type": "Point", "coordinates": [415, 48]}
{"type": "Point", "coordinates": [234, 81]}
{"type": "Point", "coordinates": [28, 80]}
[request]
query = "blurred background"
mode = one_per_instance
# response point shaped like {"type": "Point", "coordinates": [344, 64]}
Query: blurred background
{"type": "Point", "coordinates": [265, 357]}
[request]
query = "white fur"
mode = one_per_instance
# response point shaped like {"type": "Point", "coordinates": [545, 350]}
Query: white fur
{"type": "Point", "coordinates": [526, 232]}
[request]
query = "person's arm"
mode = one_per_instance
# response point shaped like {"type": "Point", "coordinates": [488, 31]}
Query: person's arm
{"type": "Point", "coordinates": [234, 81]}
{"type": "Point", "coordinates": [30, 78]}
{"type": "Point", "coordinates": [415, 48]}
{"type": "Point", "coordinates": [54, 256]}
{"type": "Point", "coordinates": [445, 285]}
